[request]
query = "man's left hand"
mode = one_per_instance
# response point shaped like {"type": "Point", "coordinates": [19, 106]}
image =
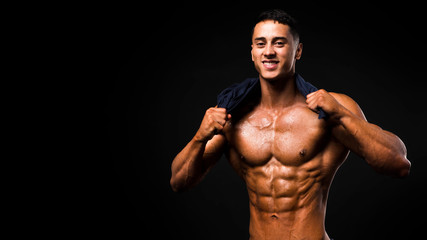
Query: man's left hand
{"type": "Point", "coordinates": [324, 100]}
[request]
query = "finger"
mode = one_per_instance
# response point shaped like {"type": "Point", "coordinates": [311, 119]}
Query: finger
{"type": "Point", "coordinates": [314, 108]}
{"type": "Point", "coordinates": [218, 128]}
{"type": "Point", "coordinates": [220, 112]}
{"type": "Point", "coordinates": [217, 109]}
{"type": "Point", "coordinates": [217, 113]}
{"type": "Point", "coordinates": [219, 116]}
{"type": "Point", "coordinates": [311, 99]}
{"type": "Point", "coordinates": [312, 94]}
{"type": "Point", "coordinates": [221, 121]}
{"type": "Point", "coordinates": [312, 105]}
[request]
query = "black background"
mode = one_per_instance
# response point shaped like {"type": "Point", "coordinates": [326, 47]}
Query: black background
{"type": "Point", "coordinates": [158, 67]}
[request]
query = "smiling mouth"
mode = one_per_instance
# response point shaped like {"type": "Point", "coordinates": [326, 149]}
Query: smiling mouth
{"type": "Point", "coordinates": [270, 64]}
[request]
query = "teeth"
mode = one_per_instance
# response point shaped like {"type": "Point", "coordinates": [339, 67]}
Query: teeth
{"type": "Point", "coordinates": [269, 63]}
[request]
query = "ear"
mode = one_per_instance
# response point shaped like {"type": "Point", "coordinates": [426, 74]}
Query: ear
{"type": "Point", "coordinates": [252, 54]}
{"type": "Point", "coordinates": [298, 52]}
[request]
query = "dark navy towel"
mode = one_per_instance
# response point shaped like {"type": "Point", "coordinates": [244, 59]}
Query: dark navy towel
{"type": "Point", "coordinates": [232, 96]}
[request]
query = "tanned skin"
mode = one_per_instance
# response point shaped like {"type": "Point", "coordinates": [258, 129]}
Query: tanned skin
{"type": "Point", "coordinates": [284, 153]}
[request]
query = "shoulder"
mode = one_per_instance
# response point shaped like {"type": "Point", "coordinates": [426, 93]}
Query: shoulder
{"type": "Point", "coordinates": [348, 103]}
{"type": "Point", "coordinates": [343, 99]}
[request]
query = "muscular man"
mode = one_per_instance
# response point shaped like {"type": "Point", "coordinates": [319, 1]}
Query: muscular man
{"type": "Point", "coordinates": [275, 141]}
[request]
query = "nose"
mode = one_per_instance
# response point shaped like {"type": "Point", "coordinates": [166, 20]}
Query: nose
{"type": "Point", "coordinates": [269, 51]}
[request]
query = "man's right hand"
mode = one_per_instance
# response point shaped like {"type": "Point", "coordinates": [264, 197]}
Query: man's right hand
{"type": "Point", "coordinates": [213, 122]}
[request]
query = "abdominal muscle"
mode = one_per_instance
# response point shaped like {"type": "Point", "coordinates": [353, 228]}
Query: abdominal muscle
{"type": "Point", "coordinates": [286, 202]}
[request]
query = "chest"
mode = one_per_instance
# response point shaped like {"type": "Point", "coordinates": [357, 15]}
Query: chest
{"type": "Point", "coordinates": [292, 136]}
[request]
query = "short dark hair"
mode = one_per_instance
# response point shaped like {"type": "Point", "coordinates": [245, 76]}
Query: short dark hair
{"type": "Point", "coordinates": [282, 17]}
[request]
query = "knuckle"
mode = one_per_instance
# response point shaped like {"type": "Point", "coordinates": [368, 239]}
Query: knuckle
{"type": "Point", "coordinates": [209, 120]}
{"type": "Point", "coordinates": [210, 111]}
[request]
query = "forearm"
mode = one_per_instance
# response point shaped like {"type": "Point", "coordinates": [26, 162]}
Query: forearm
{"type": "Point", "coordinates": [382, 150]}
{"type": "Point", "coordinates": [202, 152]}
{"type": "Point", "coordinates": [187, 165]}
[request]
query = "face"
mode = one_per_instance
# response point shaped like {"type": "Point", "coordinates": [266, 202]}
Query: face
{"type": "Point", "coordinates": [274, 50]}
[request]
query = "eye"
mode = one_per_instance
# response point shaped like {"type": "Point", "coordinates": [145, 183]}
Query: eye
{"type": "Point", "coordinates": [279, 43]}
{"type": "Point", "coordinates": [260, 44]}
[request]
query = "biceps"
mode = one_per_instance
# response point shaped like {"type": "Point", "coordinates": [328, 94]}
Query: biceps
{"type": "Point", "coordinates": [214, 150]}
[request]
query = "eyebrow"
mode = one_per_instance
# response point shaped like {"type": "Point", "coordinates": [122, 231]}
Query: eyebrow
{"type": "Point", "coordinates": [274, 39]}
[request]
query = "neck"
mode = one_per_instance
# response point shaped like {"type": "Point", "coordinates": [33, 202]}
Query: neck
{"type": "Point", "coordinates": [280, 93]}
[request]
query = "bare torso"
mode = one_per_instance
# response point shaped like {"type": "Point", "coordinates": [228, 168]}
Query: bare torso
{"type": "Point", "coordinates": [288, 159]}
